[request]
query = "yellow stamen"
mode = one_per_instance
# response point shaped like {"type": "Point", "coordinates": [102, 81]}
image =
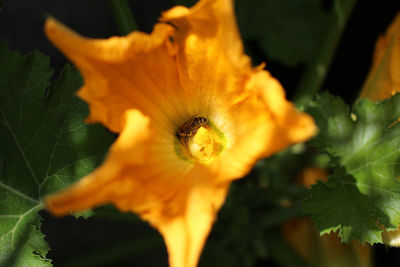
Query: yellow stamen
{"type": "Point", "coordinates": [199, 140]}
{"type": "Point", "coordinates": [203, 146]}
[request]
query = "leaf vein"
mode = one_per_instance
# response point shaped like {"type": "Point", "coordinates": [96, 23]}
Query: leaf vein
{"type": "Point", "coordinates": [19, 147]}
{"type": "Point", "coordinates": [18, 193]}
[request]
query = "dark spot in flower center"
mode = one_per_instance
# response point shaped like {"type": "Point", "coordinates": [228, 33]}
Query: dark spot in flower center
{"type": "Point", "coordinates": [189, 129]}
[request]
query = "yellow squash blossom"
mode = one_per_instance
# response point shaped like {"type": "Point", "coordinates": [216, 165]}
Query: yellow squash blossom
{"type": "Point", "coordinates": [192, 115]}
{"type": "Point", "coordinates": [384, 76]}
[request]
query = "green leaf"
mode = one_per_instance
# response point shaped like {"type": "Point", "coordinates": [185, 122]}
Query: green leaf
{"type": "Point", "coordinates": [45, 146]}
{"type": "Point", "coordinates": [286, 30]}
{"type": "Point", "coordinates": [363, 194]}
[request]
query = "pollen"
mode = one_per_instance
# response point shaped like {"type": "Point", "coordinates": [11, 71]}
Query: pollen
{"type": "Point", "coordinates": [203, 146]}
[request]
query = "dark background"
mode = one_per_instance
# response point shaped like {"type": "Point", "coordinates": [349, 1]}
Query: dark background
{"type": "Point", "coordinates": [21, 23]}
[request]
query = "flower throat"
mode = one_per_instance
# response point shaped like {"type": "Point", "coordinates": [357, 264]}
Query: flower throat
{"type": "Point", "coordinates": [199, 140]}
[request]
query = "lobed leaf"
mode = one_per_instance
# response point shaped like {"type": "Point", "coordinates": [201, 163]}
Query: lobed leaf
{"type": "Point", "coordinates": [363, 195]}
{"type": "Point", "coordinates": [45, 145]}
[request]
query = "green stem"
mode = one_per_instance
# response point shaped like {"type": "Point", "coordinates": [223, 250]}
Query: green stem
{"type": "Point", "coordinates": [316, 71]}
{"type": "Point", "coordinates": [123, 16]}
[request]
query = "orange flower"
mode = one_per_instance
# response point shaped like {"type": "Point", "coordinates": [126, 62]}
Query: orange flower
{"type": "Point", "coordinates": [383, 79]}
{"type": "Point", "coordinates": [192, 114]}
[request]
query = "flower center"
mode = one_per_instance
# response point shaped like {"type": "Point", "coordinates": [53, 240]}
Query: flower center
{"type": "Point", "coordinates": [199, 140]}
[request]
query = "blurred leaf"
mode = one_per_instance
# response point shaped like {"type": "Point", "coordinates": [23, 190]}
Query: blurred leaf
{"type": "Point", "coordinates": [45, 145]}
{"type": "Point", "coordinates": [123, 16]}
{"type": "Point", "coordinates": [363, 194]}
{"type": "Point", "coordinates": [286, 30]}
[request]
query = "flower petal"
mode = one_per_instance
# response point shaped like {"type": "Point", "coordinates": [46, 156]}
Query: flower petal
{"type": "Point", "coordinates": [186, 233]}
{"type": "Point", "coordinates": [120, 73]}
{"type": "Point", "coordinates": [291, 126]}
{"type": "Point", "coordinates": [210, 59]}
{"type": "Point", "coordinates": [383, 79]}
{"type": "Point", "coordinates": [264, 122]}
{"type": "Point", "coordinates": [208, 23]}
{"type": "Point", "coordinates": [101, 186]}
